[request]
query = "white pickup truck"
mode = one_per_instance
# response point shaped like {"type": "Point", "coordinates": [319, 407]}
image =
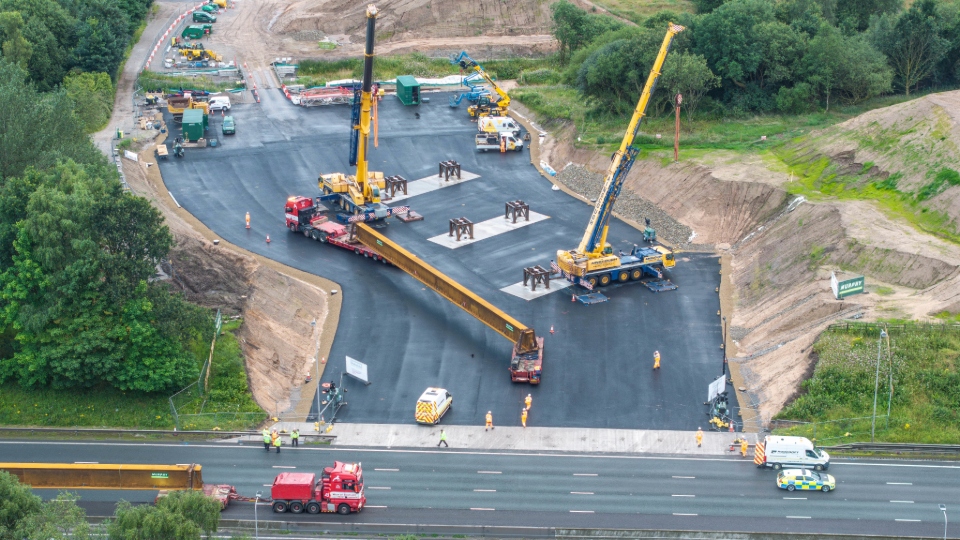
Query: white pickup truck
{"type": "Point", "coordinates": [493, 141]}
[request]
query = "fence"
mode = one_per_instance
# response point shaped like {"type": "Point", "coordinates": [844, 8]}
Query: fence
{"type": "Point", "coordinates": [839, 431]}
{"type": "Point", "coordinates": [874, 328]}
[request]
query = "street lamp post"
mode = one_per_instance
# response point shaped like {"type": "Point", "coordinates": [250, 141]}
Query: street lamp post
{"type": "Point", "coordinates": [256, 522]}
{"type": "Point", "coordinates": [943, 508]}
{"type": "Point", "coordinates": [876, 384]}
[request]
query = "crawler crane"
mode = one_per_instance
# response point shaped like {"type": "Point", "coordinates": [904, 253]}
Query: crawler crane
{"type": "Point", "coordinates": [593, 262]}
{"type": "Point", "coordinates": [485, 105]}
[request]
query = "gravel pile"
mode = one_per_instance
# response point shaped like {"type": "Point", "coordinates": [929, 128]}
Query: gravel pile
{"type": "Point", "coordinates": [629, 204]}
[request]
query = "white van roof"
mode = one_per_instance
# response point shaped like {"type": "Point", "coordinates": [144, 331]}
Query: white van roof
{"type": "Point", "coordinates": [784, 440]}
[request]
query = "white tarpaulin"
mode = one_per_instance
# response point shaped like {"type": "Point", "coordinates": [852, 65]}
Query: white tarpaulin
{"type": "Point", "coordinates": [716, 387]}
{"type": "Point", "coordinates": [357, 370]}
{"type": "Point", "coordinates": [130, 155]}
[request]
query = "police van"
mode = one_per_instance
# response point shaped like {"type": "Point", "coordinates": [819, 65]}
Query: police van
{"type": "Point", "coordinates": [432, 405]}
{"type": "Point", "coordinates": [777, 451]}
{"type": "Point", "coordinates": [498, 124]}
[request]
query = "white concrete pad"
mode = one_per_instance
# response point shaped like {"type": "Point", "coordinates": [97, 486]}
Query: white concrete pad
{"type": "Point", "coordinates": [432, 183]}
{"type": "Point", "coordinates": [487, 229]}
{"type": "Point", "coordinates": [521, 291]}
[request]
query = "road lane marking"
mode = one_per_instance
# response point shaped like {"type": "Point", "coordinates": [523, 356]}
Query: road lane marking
{"type": "Point", "coordinates": [679, 514]}
{"type": "Point", "coordinates": [581, 493]}
{"type": "Point", "coordinates": [904, 502]}
{"type": "Point", "coordinates": [485, 509]}
{"type": "Point", "coordinates": [377, 487]}
{"type": "Point", "coordinates": [268, 485]}
{"type": "Point", "coordinates": [387, 470]}
{"type": "Point", "coordinates": [284, 467]}
{"type": "Point", "coordinates": [907, 520]}
{"type": "Point", "coordinates": [683, 495]}
{"type": "Point", "coordinates": [371, 506]}
{"type": "Point", "coordinates": [798, 517]}
{"type": "Point", "coordinates": [899, 483]}
{"type": "Point", "coordinates": [584, 474]}
{"type": "Point", "coordinates": [489, 472]}
{"type": "Point", "coordinates": [581, 511]}
{"type": "Point", "coordinates": [795, 498]}
{"type": "Point", "coordinates": [86, 462]}
{"type": "Point", "coordinates": [686, 477]}
{"type": "Point", "coordinates": [486, 490]}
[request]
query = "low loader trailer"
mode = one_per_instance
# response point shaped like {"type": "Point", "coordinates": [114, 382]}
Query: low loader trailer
{"type": "Point", "coordinates": [304, 215]}
{"type": "Point", "coordinates": [339, 489]}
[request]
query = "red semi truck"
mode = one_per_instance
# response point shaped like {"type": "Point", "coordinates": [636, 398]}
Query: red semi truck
{"type": "Point", "coordinates": [304, 215]}
{"type": "Point", "coordinates": [339, 490]}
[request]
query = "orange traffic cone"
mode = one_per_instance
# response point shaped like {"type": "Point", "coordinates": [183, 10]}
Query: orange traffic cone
{"type": "Point", "coordinates": [573, 298]}
{"type": "Point", "coordinates": [248, 220]}
{"type": "Point", "coordinates": [268, 238]}
{"type": "Point", "coordinates": [551, 328]}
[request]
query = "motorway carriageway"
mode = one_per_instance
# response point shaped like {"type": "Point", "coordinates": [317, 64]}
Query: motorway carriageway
{"type": "Point", "coordinates": [450, 487]}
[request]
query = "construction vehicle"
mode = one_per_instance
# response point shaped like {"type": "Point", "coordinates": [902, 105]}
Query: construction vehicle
{"type": "Point", "coordinates": [498, 141]}
{"type": "Point", "coordinates": [498, 124]}
{"type": "Point", "coordinates": [305, 215]}
{"type": "Point", "coordinates": [486, 105]}
{"type": "Point", "coordinates": [526, 362]}
{"type": "Point", "coordinates": [358, 195]}
{"type": "Point", "coordinates": [219, 3]}
{"type": "Point", "coordinates": [200, 54]}
{"type": "Point", "coordinates": [196, 31]}
{"type": "Point", "coordinates": [339, 490]}
{"type": "Point", "coordinates": [593, 262]}
{"type": "Point", "coordinates": [178, 147]}
{"type": "Point", "coordinates": [476, 91]}
{"type": "Point", "coordinates": [204, 17]}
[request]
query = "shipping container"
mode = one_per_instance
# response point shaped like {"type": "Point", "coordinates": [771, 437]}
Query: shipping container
{"type": "Point", "coordinates": [193, 124]}
{"type": "Point", "coordinates": [408, 90]}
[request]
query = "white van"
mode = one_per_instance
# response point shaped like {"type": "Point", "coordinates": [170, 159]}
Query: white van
{"type": "Point", "coordinates": [432, 405]}
{"type": "Point", "coordinates": [219, 103]}
{"type": "Point", "coordinates": [778, 451]}
{"type": "Point", "coordinates": [498, 124]}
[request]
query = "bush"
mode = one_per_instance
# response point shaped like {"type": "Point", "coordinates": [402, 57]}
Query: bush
{"type": "Point", "coordinates": [540, 76]}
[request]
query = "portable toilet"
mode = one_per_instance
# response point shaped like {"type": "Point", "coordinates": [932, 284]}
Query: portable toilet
{"type": "Point", "coordinates": [192, 124]}
{"type": "Point", "coordinates": [408, 90]}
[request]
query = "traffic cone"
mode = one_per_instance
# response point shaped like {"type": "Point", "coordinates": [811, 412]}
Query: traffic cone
{"type": "Point", "coordinates": [573, 298]}
{"type": "Point", "coordinates": [731, 427]}
{"type": "Point", "coordinates": [551, 328]}
{"type": "Point", "coordinates": [268, 238]}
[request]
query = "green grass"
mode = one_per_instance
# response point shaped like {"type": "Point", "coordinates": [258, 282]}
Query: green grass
{"type": "Point", "coordinates": [318, 72]}
{"type": "Point", "coordinates": [638, 10]}
{"type": "Point", "coordinates": [926, 375]}
{"type": "Point", "coordinates": [108, 407]}
{"type": "Point", "coordinates": [151, 80]}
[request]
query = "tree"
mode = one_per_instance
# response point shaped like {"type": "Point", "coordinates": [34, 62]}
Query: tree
{"type": "Point", "coordinates": [182, 515]}
{"type": "Point", "coordinates": [726, 38]}
{"type": "Point", "coordinates": [823, 61]}
{"type": "Point", "coordinates": [57, 519]}
{"type": "Point", "coordinates": [688, 74]}
{"type": "Point", "coordinates": [16, 503]}
{"type": "Point", "coordinates": [805, 16]}
{"type": "Point", "coordinates": [92, 94]}
{"type": "Point", "coordinates": [856, 13]}
{"type": "Point", "coordinates": [864, 73]}
{"type": "Point", "coordinates": [615, 73]}
{"type": "Point", "coordinates": [15, 47]}
{"type": "Point", "coordinates": [574, 27]}
{"type": "Point", "coordinates": [913, 44]}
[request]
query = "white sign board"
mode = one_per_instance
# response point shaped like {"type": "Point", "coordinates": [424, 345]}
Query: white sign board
{"type": "Point", "coordinates": [130, 155]}
{"type": "Point", "coordinates": [717, 387]}
{"type": "Point", "coordinates": [357, 370]}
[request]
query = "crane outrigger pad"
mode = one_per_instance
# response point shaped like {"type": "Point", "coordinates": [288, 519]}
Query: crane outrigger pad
{"type": "Point", "coordinates": [592, 298]}
{"type": "Point", "coordinates": [660, 285]}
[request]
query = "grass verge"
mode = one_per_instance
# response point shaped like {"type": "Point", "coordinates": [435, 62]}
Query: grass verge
{"type": "Point", "coordinates": [925, 362]}
{"type": "Point", "coordinates": [151, 80]}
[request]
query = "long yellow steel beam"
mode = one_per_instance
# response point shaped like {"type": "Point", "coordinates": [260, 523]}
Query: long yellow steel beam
{"type": "Point", "coordinates": [524, 338]}
{"type": "Point", "coordinates": [106, 475]}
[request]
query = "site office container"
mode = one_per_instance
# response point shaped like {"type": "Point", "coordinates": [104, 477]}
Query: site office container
{"type": "Point", "coordinates": [408, 90]}
{"type": "Point", "coordinates": [193, 124]}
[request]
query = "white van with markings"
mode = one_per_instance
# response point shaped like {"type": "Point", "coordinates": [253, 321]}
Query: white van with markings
{"type": "Point", "coordinates": [498, 124]}
{"type": "Point", "coordinates": [777, 452]}
{"type": "Point", "coordinates": [432, 405]}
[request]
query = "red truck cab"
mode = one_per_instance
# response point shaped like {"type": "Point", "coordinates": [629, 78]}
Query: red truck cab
{"type": "Point", "coordinates": [340, 489]}
{"type": "Point", "coordinates": [298, 212]}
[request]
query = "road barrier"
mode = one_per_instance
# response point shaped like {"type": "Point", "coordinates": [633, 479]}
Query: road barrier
{"type": "Point", "coordinates": [147, 432]}
{"type": "Point", "coordinates": [897, 448]}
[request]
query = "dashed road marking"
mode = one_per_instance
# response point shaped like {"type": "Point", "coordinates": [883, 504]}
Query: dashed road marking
{"type": "Point", "coordinates": [387, 470]}
{"type": "Point", "coordinates": [899, 483]}
{"type": "Point", "coordinates": [683, 495]}
{"type": "Point", "coordinates": [584, 474]}
{"type": "Point", "coordinates": [685, 477]}
{"type": "Point", "coordinates": [486, 490]}
{"type": "Point", "coordinates": [377, 487]}
{"type": "Point", "coordinates": [489, 472]}
{"type": "Point", "coordinates": [485, 509]}
{"type": "Point", "coordinates": [795, 498]}
{"type": "Point", "coordinates": [371, 506]}
{"type": "Point", "coordinates": [284, 467]}
{"type": "Point", "coordinates": [799, 517]}
{"type": "Point", "coordinates": [912, 520]}
{"type": "Point", "coordinates": [679, 514]}
{"type": "Point", "coordinates": [581, 493]}
{"type": "Point", "coordinates": [581, 511]}
{"type": "Point", "coordinates": [904, 502]}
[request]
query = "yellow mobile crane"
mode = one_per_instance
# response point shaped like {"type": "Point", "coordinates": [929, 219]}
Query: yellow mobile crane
{"type": "Point", "coordinates": [484, 106]}
{"type": "Point", "coordinates": [359, 195]}
{"type": "Point", "coordinates": [593, 261]}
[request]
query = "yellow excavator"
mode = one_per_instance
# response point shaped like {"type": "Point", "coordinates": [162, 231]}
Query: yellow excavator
{"type": "Point", "coordinates": [593, 262]}
{"type": "Point", "coordinates": [485, 105]}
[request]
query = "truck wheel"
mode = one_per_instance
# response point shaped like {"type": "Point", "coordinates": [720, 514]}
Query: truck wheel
{"type": "Point", "coordinates": [818, 467]}
{"type": "Point", "coordinates": [293, 227]}
{"type": "Point", "coordinates": [323, 238]}
{"type": "Point", "coordinates": [592, 281]}
{"type": "Point", "coordinates": [623, 276]}
{"type": "Point", "coordinates": [777, 466]}
{"type": "Point", "coordinates": [604, 280]}
{"type": "Point", "coordinates": [356, 250]}
{"type": "Point", "coordinates": [343, 509]}
{"type": "Point", "coordinates": [296, 507]}
{"type": "Point", "coordinates": [313, 508]}
{"type": "Point", "coordinates": [636, 274]}
{"type": "Point", "coordinates": [280, 506]}
{"type": "Point", "coordinates": [306, 233]}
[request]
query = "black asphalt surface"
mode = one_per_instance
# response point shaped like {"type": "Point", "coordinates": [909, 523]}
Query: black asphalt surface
{"type": "Point", "coordinates": [597, 365]}
{"type": "Point", "coordinates": [557, 490]}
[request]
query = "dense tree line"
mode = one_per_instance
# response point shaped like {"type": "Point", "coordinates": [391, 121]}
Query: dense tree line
{"type": "Point", "coordinates": [766, 55]}
{"type": "Point", "coordinates": [76, 257]}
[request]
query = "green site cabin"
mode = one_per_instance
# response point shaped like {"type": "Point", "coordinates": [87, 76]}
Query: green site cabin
{"type": "Point", "coordinates": [193, 124]}
{"type": "Point", "coordinates": [408, 90]}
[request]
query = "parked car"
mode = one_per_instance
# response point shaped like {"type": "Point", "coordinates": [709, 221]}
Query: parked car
{"type": "Point", "coordinates": [204, 17]}
{"type": "Point", "coordinates": [229, 127]}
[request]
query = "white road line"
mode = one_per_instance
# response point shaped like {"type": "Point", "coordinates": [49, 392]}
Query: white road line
{"type": "Point", "coordinates": [489, 472]}
{"type": "Point", "coordinates": [581, 493]}
{"type": "Point", "coordinates": [86, 462]}
{"type": "Point", "coordinates": [679, 514]}
{"type": "Point", "coordinates": [905, 502]}
{"type": "Point", "coordinates": [685, 477]}
{"type": "Point", "coordinates": [377, 487]}
{"type": "Point", "coordinates": [371, 506]}
{"type": "Point", "coordinates": [268, 485]}
{"type": "Point", "coordinates": [899, 483]}
{"type": "Point", "coordinates": [914, 520]}
{"type": "Point", "coordinates": [795, 498]}
{"type": "Point", "coordinates": [584, 474]}
{"type": "Point", "coordinates": [798, 517]}
{"type": "Point", "coordinates": [581, 511]}
{"type": "Point", "coordinates": [487, 509]}
{"type": "Point", "coordinates": [683, 495]}
{"type": "Point", "coordinates": [486, 490]}
{"type": "Point", "coordinates": [387, 470]}
{"type": "Point", "coordinates": [284, 467]}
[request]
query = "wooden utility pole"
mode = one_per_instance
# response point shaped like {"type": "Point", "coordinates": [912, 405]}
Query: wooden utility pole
{"type": "Point", "coordinates": [676, 137]}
